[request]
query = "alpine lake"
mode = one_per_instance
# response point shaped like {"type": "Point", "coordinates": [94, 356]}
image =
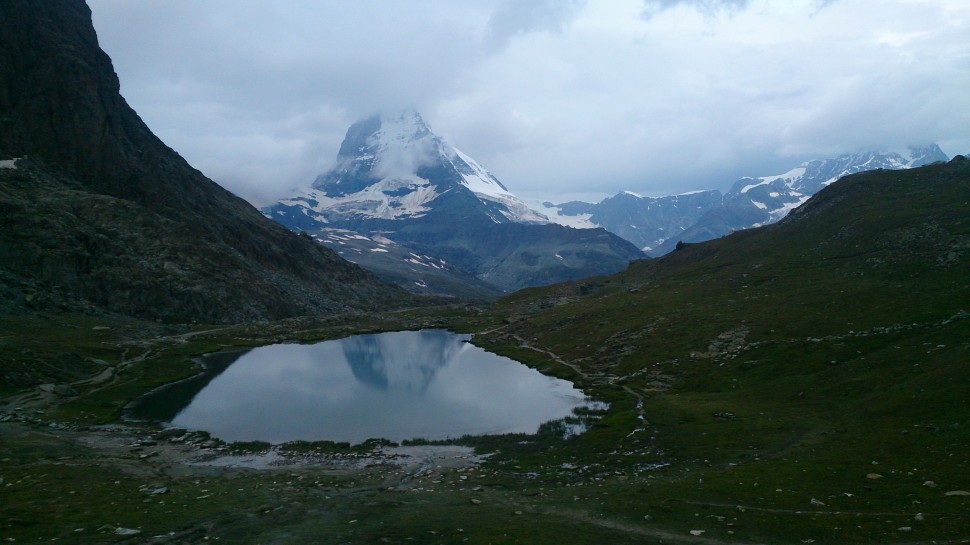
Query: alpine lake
{"type": "Point", "coordinates": [398, 386]}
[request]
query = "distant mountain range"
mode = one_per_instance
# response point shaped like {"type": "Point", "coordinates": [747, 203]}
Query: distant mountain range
{"type": "Point", "coordinates": [656, 225]}
{"type": "Point", "coordinates": [395, 179]}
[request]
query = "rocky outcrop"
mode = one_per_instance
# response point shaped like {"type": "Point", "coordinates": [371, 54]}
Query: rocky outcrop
{"type": "Point", "coordinates": [99, 215]}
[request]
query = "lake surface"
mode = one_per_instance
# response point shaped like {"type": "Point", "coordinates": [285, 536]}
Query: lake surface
{"type": "Point", "coordinates": [430, 384]}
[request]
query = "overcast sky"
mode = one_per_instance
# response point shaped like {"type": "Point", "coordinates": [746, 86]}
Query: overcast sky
{"type": "Point", "coordinates": [558, 98]}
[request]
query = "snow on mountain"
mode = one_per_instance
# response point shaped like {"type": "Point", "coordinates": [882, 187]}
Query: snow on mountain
{"type": "Point", "coordinates": [779, 194]}
{"type": "Point", "coordinates": [393, 167]}
{"type": "Point", "coordinates": [656, 224]}
{"type": "Point", "coordinates": [456, 229]}
{"type": "Point", "coordinates": [556, 214]}
{"type": "Point", "coordinates": [486, 186]}
{"type": "Point", "coordinates": [644, 221]}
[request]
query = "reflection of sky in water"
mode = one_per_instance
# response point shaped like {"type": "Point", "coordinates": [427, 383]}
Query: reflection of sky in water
{"type": "Point", "coordinates": [399, 385]}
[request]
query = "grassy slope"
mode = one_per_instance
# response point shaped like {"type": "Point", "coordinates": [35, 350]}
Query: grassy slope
{"type": "Point", "coordinates": [845, 362]}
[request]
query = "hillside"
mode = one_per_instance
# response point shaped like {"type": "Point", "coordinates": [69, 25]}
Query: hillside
{"type": "Point", "coordinates": [100, 216]}
{"type": "Point", "coordinates": [817, 365]}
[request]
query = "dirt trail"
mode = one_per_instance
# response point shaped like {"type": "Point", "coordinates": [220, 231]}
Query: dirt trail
{"type": "Point", "coordinates": [579, 371]}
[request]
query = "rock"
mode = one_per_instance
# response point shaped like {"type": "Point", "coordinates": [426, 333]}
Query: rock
{"type": "Point", "coordinates": [957, 493]}
{"type": "Point", "coordinates": [873, 476]}
{"type": "Point", "coordinates": [905, 528]}
{"type": "Point", "coordinates": [169, 433]}
{"type": "Point", "coordinates": [697, 532]}
{"type": "Point", "coordinates": [817, 503]}
{"type": "Point", "coordinates": [126, 531]}
{"type": "Point", "coordinates": [476, 501]}
{"type": "Point", "coordinates": [930, 484]}
{"type": "Point", "coordinates": [919, 517]}
{"type": "Point", "coordinates": [58, 389]}
{"type": "Point", "coordinates": [159, 490]}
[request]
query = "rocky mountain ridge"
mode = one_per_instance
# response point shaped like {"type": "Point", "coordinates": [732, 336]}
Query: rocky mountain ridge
{"type": "Point", "coordinates": [656, 225]}
{"type": "Point", "coordinates": [394, 178]}
{"type": "Point", "coordinates": [101, 216]}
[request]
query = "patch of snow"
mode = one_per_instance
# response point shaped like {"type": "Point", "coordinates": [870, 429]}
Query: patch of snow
{"type": "Point", "coordinates": [485, 186]}
{"type": "Point", "coordinates": [760, 205]}
{"type": "Point", "coordinates": [9, 163]}
{"type": "Point", "coordinates": [579, 221]}
{"type": "Point", "coordinates": [789, 177]}
{"type": "Point", "coordinates": [637, 195]}
{"type": "Point", "coordinates": [378, 250]}
{"type": "Point", "coordinates": [372, 201]}
{"type": "Point", "coordinates": [779, 213]}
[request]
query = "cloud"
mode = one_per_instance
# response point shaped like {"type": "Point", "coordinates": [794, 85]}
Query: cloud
{"type": "Point", "coordinates": [707, 7]}
{"type": "Point", "coordinates": [518, 17]}
{"type": "Point", "coordinates": [552, 97]}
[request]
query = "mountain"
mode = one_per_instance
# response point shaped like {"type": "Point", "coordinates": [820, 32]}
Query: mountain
{"type": "Point", "coordinates": [392, 169]}
{"type": "Point", "coordinates": [98, 215]}
{"type": "Point", "coordinates": [644, 221]}
{"type": "Point", "coordinates": [656, 225]}
{"type": "Point", "coordinates": [395, 178]}
{"type": "Point", "coordinates": [401, 265]}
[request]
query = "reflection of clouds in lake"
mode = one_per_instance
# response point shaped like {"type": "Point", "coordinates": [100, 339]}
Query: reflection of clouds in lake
{"type": "Point", "coordinates": [398, 385]}
{"type": "Point", "coordinates": [502, 390]}
{"type": "Point", "coordinates": [401, 360]}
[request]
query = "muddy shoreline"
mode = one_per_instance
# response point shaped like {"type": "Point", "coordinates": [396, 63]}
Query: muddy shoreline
{"type": "Point", "coordinates": [186, 452]}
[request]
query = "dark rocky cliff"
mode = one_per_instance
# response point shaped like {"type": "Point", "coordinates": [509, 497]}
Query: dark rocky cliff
{"type": "Point", "coordinates": [100, 215]}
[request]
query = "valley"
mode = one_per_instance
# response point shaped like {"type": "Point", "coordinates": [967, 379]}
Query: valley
{"type": "Point", "coordinates": [800, 381]}
{"type": "Point", "coordinates": [737, 414]}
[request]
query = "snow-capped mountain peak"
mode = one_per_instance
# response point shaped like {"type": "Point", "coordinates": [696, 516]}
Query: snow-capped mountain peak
{"type": "Point", "coordinates": [392, 166]}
